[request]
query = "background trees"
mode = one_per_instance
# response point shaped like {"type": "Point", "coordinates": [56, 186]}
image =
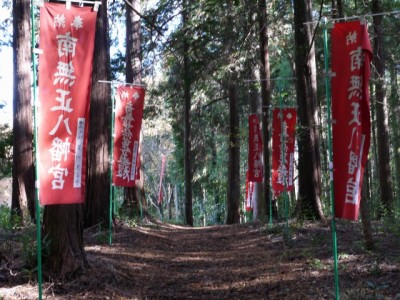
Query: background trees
{"type": "Point", "coordinates": [194, 54]}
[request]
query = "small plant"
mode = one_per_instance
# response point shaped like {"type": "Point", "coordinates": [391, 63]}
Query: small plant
{"type": "Point", "coordinates": [316, 264]}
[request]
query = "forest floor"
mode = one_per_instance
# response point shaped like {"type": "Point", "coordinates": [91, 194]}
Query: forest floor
{"type": "Point", "coordinates": [161, 261]}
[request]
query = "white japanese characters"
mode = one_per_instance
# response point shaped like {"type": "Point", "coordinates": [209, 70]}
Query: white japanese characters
{"type": "Point", "coordinates": [64, 80]}
{"type": "Point", "coordinates": [355, 94]}
{"type": "Point", "coordinates": [125, 169]}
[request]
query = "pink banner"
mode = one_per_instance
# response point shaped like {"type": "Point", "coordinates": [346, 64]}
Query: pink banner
{"type": "Point", "coordinates": [128, 122]}
{"type": "Point", "coordinates": [283, 130]}
{"type": "Point", "coordinates": [65, 67]}
{"type": "Point", "coordinates": [255, 161]}
{"type": "Point", "coordinates": [351, 56]}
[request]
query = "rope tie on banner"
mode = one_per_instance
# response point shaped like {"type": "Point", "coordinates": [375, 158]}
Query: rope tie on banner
{"type": "Point", "coordinates": [115, 82]}
{"type": "Point", "coordinates": [68, 3]}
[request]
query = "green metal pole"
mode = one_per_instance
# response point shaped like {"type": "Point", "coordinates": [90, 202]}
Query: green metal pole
{"type": "Point", "coordinates": [111, 166]}
{"type": "Point", "coordinates": [332, 196]}
{"type": "Point", "coordinates": [270, 172]}
{"type": "Point", "coordinates": [283, 154]}
{"type": "Point", "coordinates": [37, 204]}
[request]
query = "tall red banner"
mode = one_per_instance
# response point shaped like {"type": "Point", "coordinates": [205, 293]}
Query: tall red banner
{"type": "Point", "coordinates": [351, 56]}
{"type": "Point", "coordinates": [65, 67]}
{"type": "Point", "coordinates": [283, 140]}
{"type": "Point", "coordinates": [128, 121]}
{"type": "Point", "coordinates": [255, 161]}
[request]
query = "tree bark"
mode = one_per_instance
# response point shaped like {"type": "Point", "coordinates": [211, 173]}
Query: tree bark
{"type": "Point", "coordinates": [134, 196]}
{"type": "Point", "coordinates": [98, 184]}
{"type": "Point", "coordinates": [365, 214]}
{"type": "Point", "coordinates": [63, 229]}
{"type": "Point", "coordinates": [23, 183]}
{"type": "Point", "coordinates": [382, 115]}
{"type": "Point", "coordinates": [308, 133]}
{"type": "Point", "coordinates": [233, 196]}
{"type": "Point", "coordinates": [265, 75]}
{"type": "Point", "coordinates": [187, 120]}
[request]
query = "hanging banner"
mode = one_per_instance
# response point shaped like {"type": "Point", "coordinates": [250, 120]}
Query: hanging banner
{"type": "Point", "coordinates": [255, 153]}
{"type": "Point", "coordinates": [283, 140]}
{"type": "Point", "coordinates": [128, 121]}
{"type": "Point", "coordinates": [351, 56]}
{"type": "Point", "coordinates": [65, 67]}
{"type": "Point", "coordinates": [249, 193]}
{"type": "Point", "coordinates": [160, 194]}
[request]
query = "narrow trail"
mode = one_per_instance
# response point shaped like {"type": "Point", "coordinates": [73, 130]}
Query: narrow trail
{"type": "Point", "coordinates": [159, 261]}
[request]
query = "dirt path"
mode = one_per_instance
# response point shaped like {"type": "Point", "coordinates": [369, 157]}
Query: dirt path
{"type": "Point", "coordinates": [227, 262]}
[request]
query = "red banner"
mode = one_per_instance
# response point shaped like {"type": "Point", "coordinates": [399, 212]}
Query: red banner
{"type": "Point", "coordinates": [255, 161]}
{"type": "Point", "coordinates": [283, 140]}
{"type": "Point", "coordinates": [128, 121]}
{"type": "Point", "coordinates": [65, 67]}
{"type": "Point", "coordinates": [249, 193]}
{"type": "Point", "coordinates": [351, 56]}
{"type": "Point", "coordinates": [160, 194]}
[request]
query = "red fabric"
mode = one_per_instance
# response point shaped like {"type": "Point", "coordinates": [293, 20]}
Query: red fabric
{"type": "Point", "coordinates": [249, 193]}
{"type": "Point", "coordinates": [128, 121]}
{"type": "Point", "coordinates": [283, 161]}
{"type": "Point", "coordinates": [160, 194]}
{"type": "Point", "coordinates": [255, 150]}
{"type": "Point", "coordinates": [351, 56]}
{"type": "Point", "coordinates": [65, 67]}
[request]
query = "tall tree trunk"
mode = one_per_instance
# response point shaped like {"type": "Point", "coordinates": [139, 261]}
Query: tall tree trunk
{"type": "Point", "coordinates": [394, 127]}
{"type": "Point", "coordinates": [135, 195]}
{"type": "Point", "coordinates": [233, 196]}
{"type": "Point", "coordinates": [265, 75]}
{"type": "Point", "coordinates": [218, 214]}
{"type": "Point", "coordinates": [23, 183]}
{"type": "Point", "coordinates": [98, 183]}
{"type": "Point", "coordinates": [365, 214]}
{"type": "Point", "coordinates": [382, 116]}
{"type": "Point", "coordinates": [308, 137]}
{"type": "Point", "coordinates": [259, 199]}
{"type": "Point", "coordinates": [63, 228]}
{"type": "Point", "coordinates": [187, 130]}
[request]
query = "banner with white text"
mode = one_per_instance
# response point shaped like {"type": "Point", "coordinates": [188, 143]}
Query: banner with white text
{"type": "Point", "coordinates": [351, 125]}
{"type": "Point", "coordinates": [255, 161]}
{"type": "Point", "coordinates": [65, 68]}
{"type": "Point", "coordinates": [283, 141]}
{"type": "Point", "coordinates": [128, 121]}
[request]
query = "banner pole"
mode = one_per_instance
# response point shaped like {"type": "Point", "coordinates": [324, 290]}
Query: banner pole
{"type": "Point", "coordinates": [283, 153]}
{"type": "Point", "coordinates": [37, 204]}
{"type": "Point", "coordinates": [111, 166]}
{"type": "Point", "coordinates": [331, 182]}
{"type": "Point", "coordinates": [270, 169]}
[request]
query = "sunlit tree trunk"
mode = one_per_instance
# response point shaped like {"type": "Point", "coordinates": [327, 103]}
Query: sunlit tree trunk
{"type": "Point", "coordinates": [134, 196]}
{"type": "Point", "coordinates": [382, 115]}
{"type": "Point", "coordinates": [308, 134]}
{"type": "Point", "coordinates": [98, 183]}
{"type": "Point", "coordinates": [23, 183]}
